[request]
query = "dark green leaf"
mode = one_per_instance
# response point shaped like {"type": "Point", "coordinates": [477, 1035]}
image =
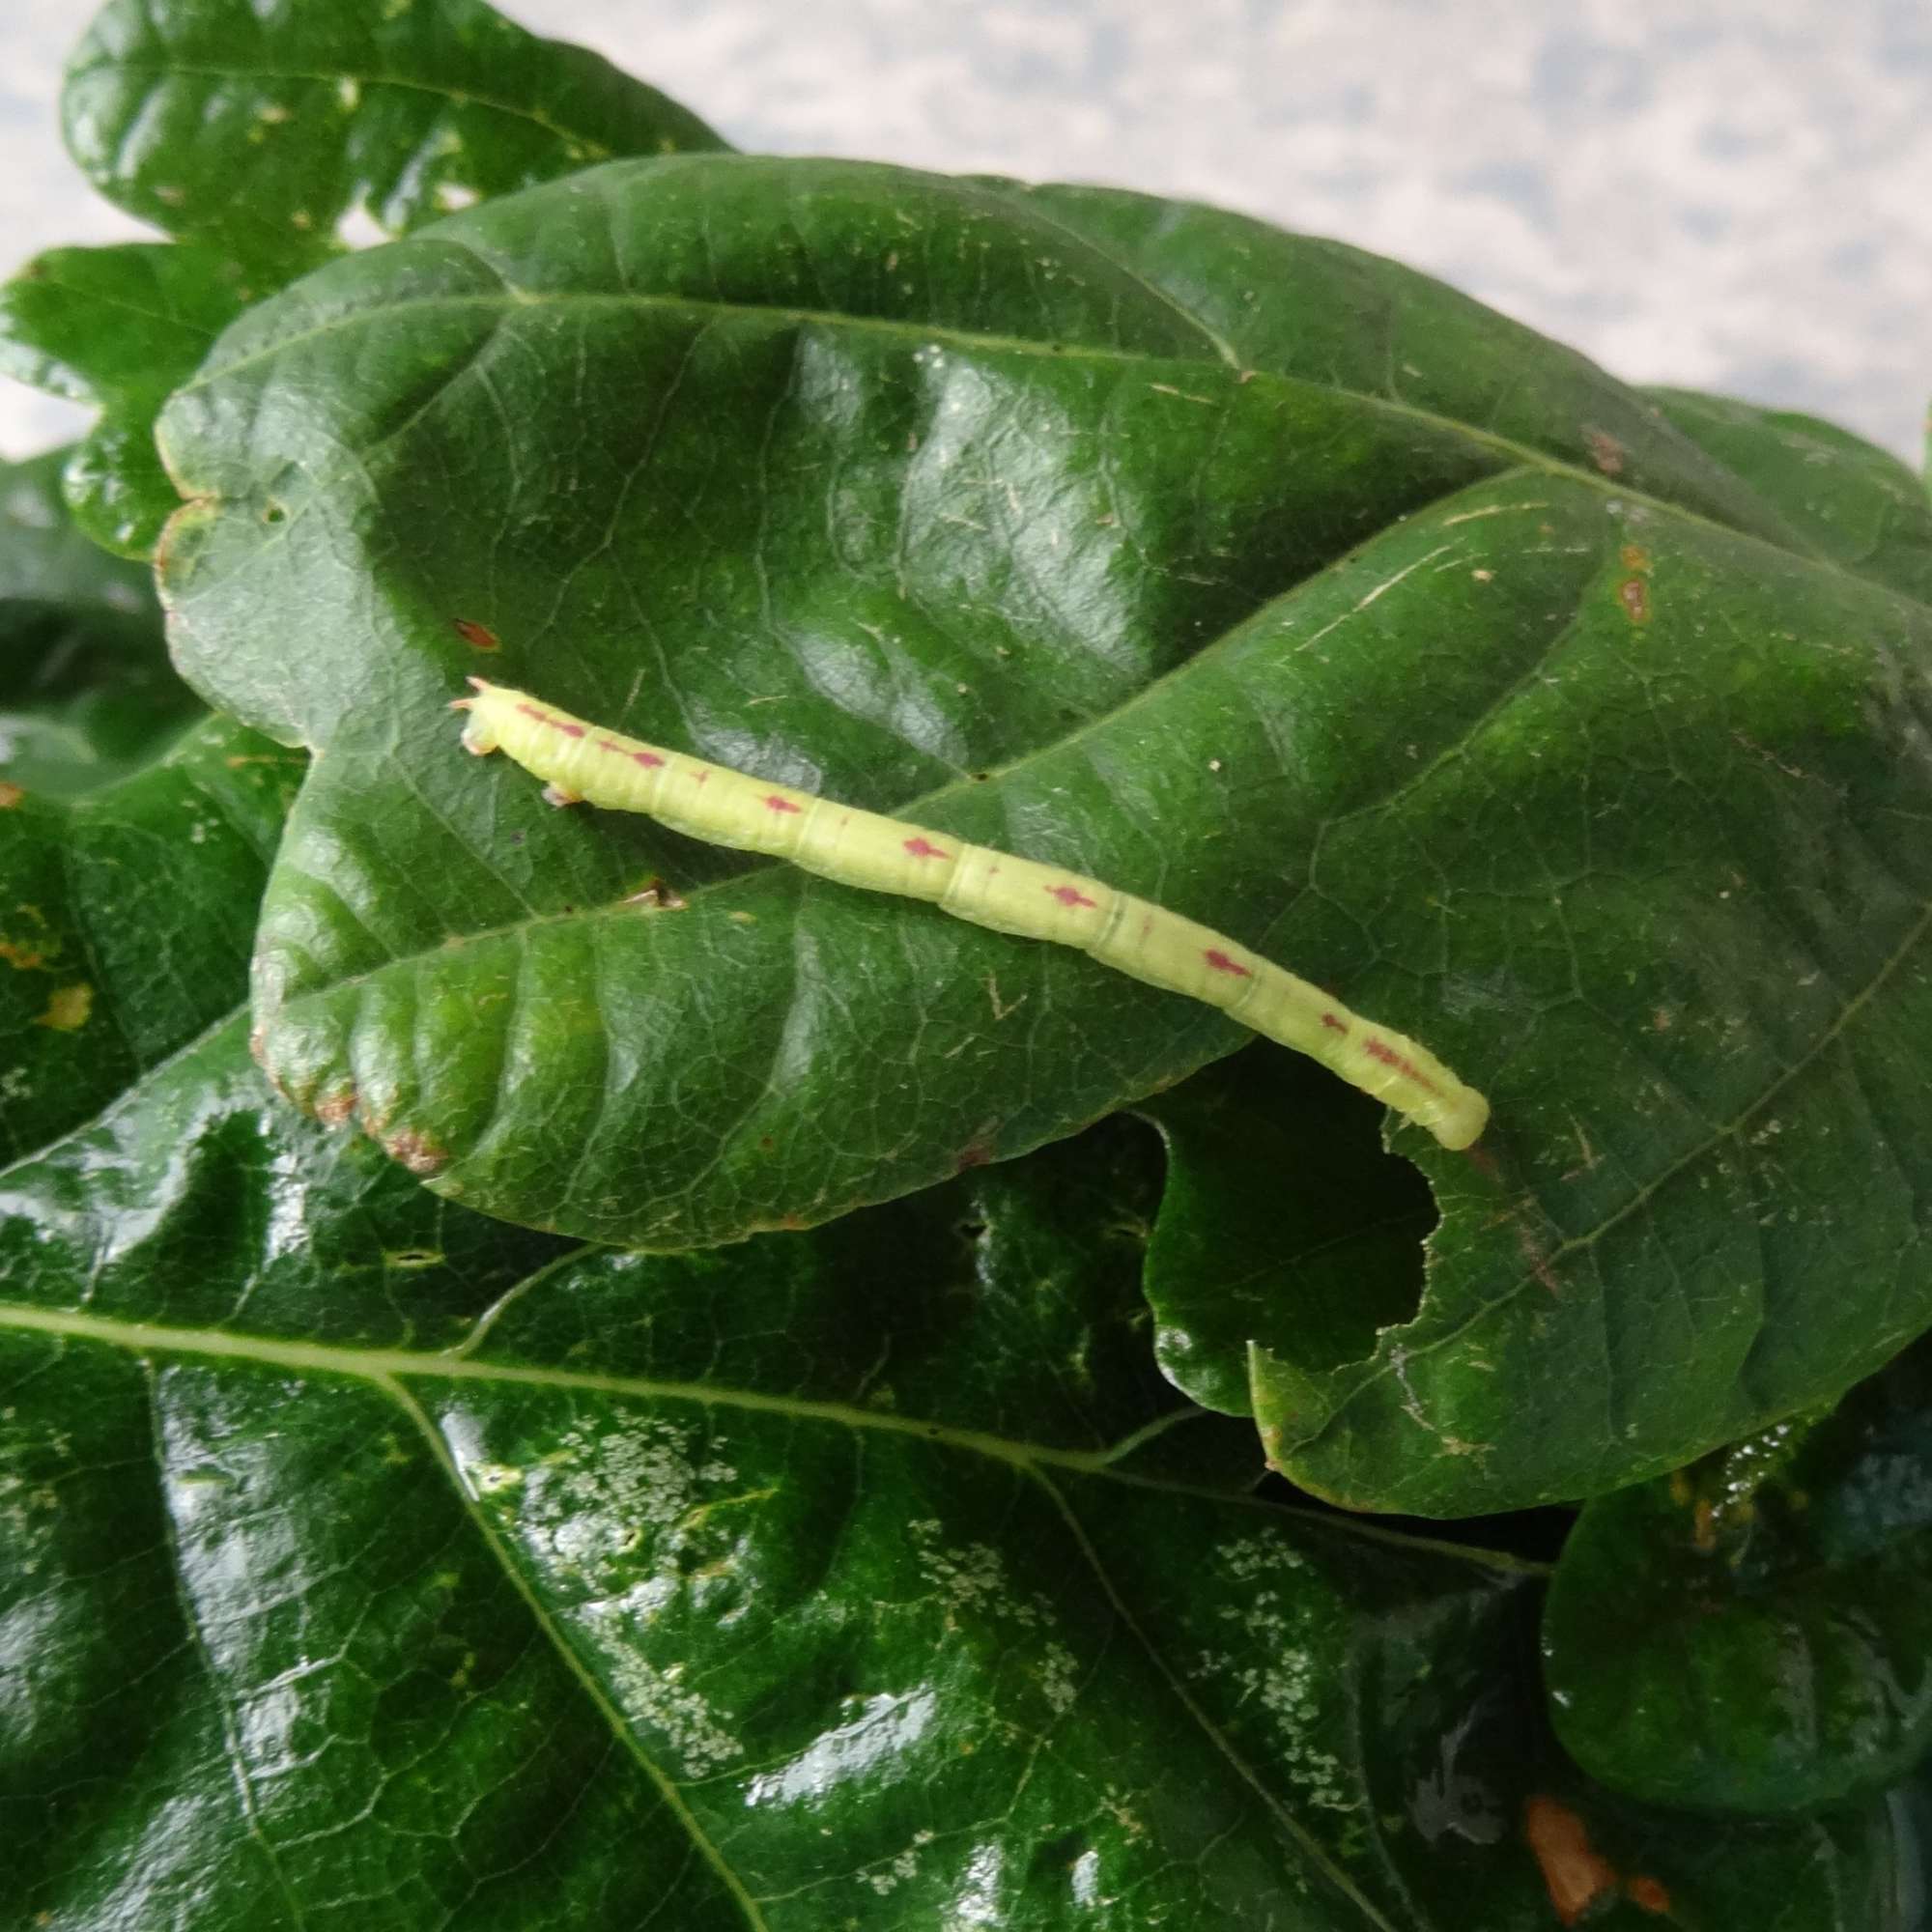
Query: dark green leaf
{"type": "Point", "coordinates": [372, 1564]}
{"type": "Point", "coordinates": [87, 693]}
{"type": "Point", "coordinates": [1284, 1224]}
{"type": "Point", "coordinates": [118, 327]}
{"type": "Point", "coordinates": [878, 482]}
{"type": "Point", "coordinates": [347, 122]}
{"type": "Point", "coordinates": [126, 919]}
{"type": "Point", "coordinates": [1756, 1634]}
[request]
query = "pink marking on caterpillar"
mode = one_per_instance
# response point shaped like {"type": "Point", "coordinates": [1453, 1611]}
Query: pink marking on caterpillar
{"type": "Point", "coordinates": [774, 803]}
{"type": "Point", "coordinates": [1381, 1050]}
{"type": "Point", "coordinates": [1333, 1024]}
{"type": "Point", "coordinates": [1068, 896]}
{"type": "Point", "coordinates": [1221, 963]}
{"type": "Point", "coordinates": [924, 848]}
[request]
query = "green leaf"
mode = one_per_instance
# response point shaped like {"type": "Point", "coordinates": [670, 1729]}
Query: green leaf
{"type": "Point", "coordinates": [86, 691]}
{"type": "Point", "coordinates": [1284, 1225]}
{"type": "Point", "coordinates": [411, 1569]}
{"type": "Point", "coordinates": [126, 918]}
{"type": "Point", "coordinates": [355, 119]}
{"type": "Point", "coordinates": [1858, 504]}
{"type": "Point", "coordinates": [1756, 1634]}
{"type": "Point", "coordinates": [118, 327]}
{"type": "Point", "coordinates": [1618, 808]}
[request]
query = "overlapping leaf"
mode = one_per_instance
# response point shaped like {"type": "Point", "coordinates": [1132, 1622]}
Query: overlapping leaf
{"type": "Point", "coordinates": [891, 486]}
{"type": "Point", "coordinates": [133, 843]}
{"type": "Point", "coordinates": [802, 1585]}
{"type": "Point", "coordinates": [86, 690]}
{"type": "Point", "coordinates": [349, 125]}
{"type": "Point", "coordinates": [1755, 1635]}
{"type": "Point", "coordinates": [346, 122]}
{"type": "Point", "coordinates": [118, 328]}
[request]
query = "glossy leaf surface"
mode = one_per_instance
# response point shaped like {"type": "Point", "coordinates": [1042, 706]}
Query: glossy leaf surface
{"type": "Point", "coordinates": [348, 121]}
{"type": "Point", "coordinates": [1756, 1634]}
{"type": "Point", "coordinates": [1552, 774]}
{"type": "Point", "coordinates": [118, 328]}
{"type": "Point", "coordinates": [800, 1585]}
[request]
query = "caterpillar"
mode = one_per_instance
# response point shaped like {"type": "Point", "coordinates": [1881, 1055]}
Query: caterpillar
{"type": "Point", "coordinates": [583, 764]}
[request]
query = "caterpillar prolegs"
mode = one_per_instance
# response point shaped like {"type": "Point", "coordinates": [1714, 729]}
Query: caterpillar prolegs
{"type": "Point", "coordinates": [586, 764]}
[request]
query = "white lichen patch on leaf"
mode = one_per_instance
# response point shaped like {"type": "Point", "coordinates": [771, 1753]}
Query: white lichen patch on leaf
{"type": "Point", "coordinates": [658, 1699]}
{"type": "Point", "coordinates": [970, 1580]}
{"type": "Point", "coordinates": [1275, 1660]}
{"type": "Point", "coordinates": [626, 1492]}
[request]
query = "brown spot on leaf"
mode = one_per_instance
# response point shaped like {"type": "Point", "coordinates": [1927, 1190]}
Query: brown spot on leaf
{"type": "Point", "coordinates": [1704, 1526]}
{"type": "Point", "coordinates": [1633, 594]}
{"type": "Point", "coordinates": [1648, 1894]}
{"type": "Point", "coordinates": [479, 636]}
{"type": "Point", "coordinates": [1605, 451]}
{"type": "Point", "coordinates": [1634, 557]}
{"type": "Point", "coordinates": [656, 896]}
{"type": "Point", "coordinates": [974, 1153]}
{"type": "Point", "coordinates": [26, 956]}
{"type": "Point", "coordinates": [337, 1108]}
{"type": "Point", "coordinates": [1575, 1874]}
{"type": "Point", "coordinates": [11, 795]}
{"type": "Point", "coordinates": [417, 1153]}
{"type": "Point", "coordinates": [69, 1008]}
{"type": "Point", "coordinates": [258, 1047]}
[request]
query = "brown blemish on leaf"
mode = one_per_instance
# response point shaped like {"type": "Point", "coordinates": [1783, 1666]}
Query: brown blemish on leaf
{"type": "Point", "coordinates": [1634, 557]}
{"type": "Point", "coordinates": [478, 635]}
{"type": "Point", "coordinates": [23, 955]}
{"type": "Point", "coordinates": [1574, 1872]}
{"type": "Point", "coordinates": [1633, 594]}
{"type": "Point", "coordinates": [1663, 1019]}
{"type": "Point", "coordinates": [68, 1010]}
{"type": "Point", "coordinates": [1532, 1252]}
{"type": "Point", "coordinates": [657, 895]}
{"type": "Point", "coordinates": [1605, 451]}
{"type": "Point", "coordinates": [335, 1110]}
{"type": "Point", "coordinates": [1647, 1894]}
{"type": "Point", "coordinates": [417, 1153]}
{"type": "Point", "coordinates": [11, 795]}
{"type": "Point", "coordinates": [1704, 1526]}
{"type": "Point", "coordinates": [974, 1153]}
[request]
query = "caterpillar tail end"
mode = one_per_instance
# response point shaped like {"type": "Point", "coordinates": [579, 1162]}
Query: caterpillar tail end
{"type": "Point", "coordinates": [1459, 1124]}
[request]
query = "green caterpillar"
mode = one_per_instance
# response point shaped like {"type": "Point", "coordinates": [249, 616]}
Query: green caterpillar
{"type": "Point", "coordinates": [586, 763]}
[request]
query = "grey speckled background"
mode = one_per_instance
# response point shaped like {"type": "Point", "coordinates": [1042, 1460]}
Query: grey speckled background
{"type": "Point", "coordinates": [1733, 195]}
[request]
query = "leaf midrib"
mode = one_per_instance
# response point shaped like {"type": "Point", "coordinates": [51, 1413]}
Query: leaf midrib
{"type": "Point", "coordinates": [404, 1367]}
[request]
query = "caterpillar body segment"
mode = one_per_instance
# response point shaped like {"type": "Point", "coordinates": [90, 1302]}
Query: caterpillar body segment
{"type": "Point", "coordinates": [585, 762]}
